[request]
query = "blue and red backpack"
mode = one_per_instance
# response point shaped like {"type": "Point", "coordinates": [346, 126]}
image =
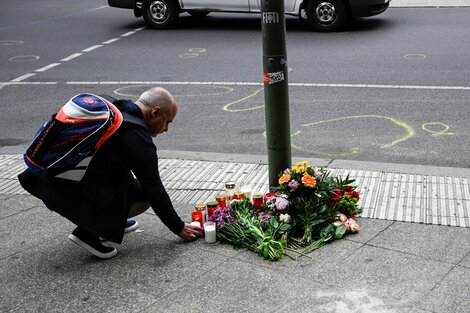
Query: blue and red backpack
{"type": "Point", "coordinates": [64, 146]}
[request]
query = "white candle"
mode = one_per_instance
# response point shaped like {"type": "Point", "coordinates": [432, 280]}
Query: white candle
{"type": "Point", "coordinates": [195, 224]}
{"type": "Point", "coordinates": [210, 232]}
{"type": "Point", "coordinates": [246, 191]}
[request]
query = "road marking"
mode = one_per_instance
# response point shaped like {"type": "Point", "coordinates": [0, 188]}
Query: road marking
{"type": "Point", "coordinates": [10, 42]}
{"type": "Point", "coordinates": [26, 76]}
{"type": "Point", "coordinates": [202, 83]}
{"type": "Point", "coordinates": [92, 48]}
{"type": "Point", "coordinates": [45, 68]}
{"type": "Point", "coordinates": [70, 57]}
{"type": "Point", "coordinates": [110, 41]}
{"type": "Point", "coordinates": [128, 34]}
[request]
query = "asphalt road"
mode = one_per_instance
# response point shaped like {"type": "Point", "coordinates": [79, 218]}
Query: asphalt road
{"type": "Point", "coordinates": [392, 88]}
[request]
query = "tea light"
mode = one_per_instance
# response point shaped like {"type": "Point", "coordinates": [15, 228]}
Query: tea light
{"type": "Point", "coordinates": [210, 232]}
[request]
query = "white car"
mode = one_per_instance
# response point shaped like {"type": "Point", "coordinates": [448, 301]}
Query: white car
{"type": "Point", "coordinates": [321, 15]}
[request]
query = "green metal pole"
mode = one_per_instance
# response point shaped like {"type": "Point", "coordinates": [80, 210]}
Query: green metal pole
{"type": "Point", "coordinates": [276, 93]}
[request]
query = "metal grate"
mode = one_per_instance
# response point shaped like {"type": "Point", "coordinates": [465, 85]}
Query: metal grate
{"type": "Point", "coordinates": [430, 199]}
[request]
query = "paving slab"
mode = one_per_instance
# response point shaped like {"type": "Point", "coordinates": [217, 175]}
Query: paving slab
{"type": "Point", "coordinates": [441, 243]}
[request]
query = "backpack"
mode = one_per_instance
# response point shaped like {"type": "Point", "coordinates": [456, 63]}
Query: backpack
{"type": "Point", "coordinates": [65, 145]}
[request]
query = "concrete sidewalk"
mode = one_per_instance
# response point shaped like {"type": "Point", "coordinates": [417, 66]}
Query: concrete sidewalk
{"type": "Point", "coordinates": [407, 259]}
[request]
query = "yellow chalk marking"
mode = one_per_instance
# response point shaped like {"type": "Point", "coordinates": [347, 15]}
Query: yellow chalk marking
{"type": "Point", "coordinates": [436, 133]}
{"type": "Point", "coordinates": [188, 55]}
{"type": "Point", "coordinates": [24, 58]}
{"type": "Point", "coordinates": [225, 90]}
{"type": "Point", "coordinates": [409, 130]}
{"type": "Point", "coordinates": [227, 106]}
{"type": "Point", "coordinates": [197, 50]}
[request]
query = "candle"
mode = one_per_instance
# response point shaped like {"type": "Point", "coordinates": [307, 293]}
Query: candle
{"type": "Point", "coordinates": [210, 232]}
{"type": "Point", "coordinates": [211, 207]}
{"type": "Point", "coordinates": [201, 207]}
{"type": "Point", "coordinates": [196, 216]}
{"type": "Point", "coordinates": [246, 191]}
{"type": "Point", "coordinates": [258, 201]}
{"type": "Point", "coordinates": [221, 201]}
{"type": "Point", "coordinates": [238, 195]}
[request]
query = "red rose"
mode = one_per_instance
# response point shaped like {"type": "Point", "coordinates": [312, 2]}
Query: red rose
{"type": "Point", "coordinates": [269, 195]}
{"type": "Point", "coordinates": [336, 195]}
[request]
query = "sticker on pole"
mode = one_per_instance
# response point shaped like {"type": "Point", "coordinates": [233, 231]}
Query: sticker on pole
{"type": "Point", "coordinates": [270, 17]}
{"type": "Point", "coordinates": [272, 78]}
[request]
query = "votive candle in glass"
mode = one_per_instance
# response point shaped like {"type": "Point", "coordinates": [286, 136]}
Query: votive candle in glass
{"type": "Point", "coordinates": [221, 201]}
{"type": "Point", "coordinates": [258, 201]}
{"type": "Point", "coordinates": [210, 232]}
{"type": "Point", "coordinates": [211, 207]}
{"type": "Point", "coordinates": [196, 216]}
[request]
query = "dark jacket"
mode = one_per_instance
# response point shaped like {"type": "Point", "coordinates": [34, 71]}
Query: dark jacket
{"type": "Point", "coordinates": [100, 202]}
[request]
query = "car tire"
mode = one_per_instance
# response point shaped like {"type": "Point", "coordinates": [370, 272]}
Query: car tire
{"type": "Point", "coordinates": [197, 13]}
{"type": "Point", "coordinates": [160, 14]}
{"type": "Point", "coordinates": [326, 15]}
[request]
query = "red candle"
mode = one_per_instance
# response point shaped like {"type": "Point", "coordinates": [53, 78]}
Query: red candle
{"type": "Point", "coordinates": [258, 201]}
{"type": "Point", "coordinates": [197, 217]}
{"type": "Point", "coordinates": [221, 201]}
{"type": "Point", "coordinates": [211, 207]}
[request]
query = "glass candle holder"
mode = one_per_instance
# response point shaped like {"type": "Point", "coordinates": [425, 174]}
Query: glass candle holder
{"type": "Point", "coordinates": [211, 207]}
{"type": "Point", "coordinates": [197, 216]}
{"type": "Point", "coordinates": [210, 232]}
{"type": "Point", "coordinates": [221, 201]}
{"type": "Point", "coordinates": [258, 201]}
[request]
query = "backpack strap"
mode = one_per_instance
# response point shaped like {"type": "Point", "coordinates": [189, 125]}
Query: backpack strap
{"type": "Point", "coordinates": [133, 120]}
{"type": "Point", "coordinates": [126, 116]}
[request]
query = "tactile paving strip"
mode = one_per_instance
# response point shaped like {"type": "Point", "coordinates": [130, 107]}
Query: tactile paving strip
{"type": "Point", "coordinates": [429, 199]}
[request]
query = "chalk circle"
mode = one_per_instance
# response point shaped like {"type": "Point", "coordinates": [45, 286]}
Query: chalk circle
{"type": "Point", "coordinates": [409, 132]}
{"type": "Point", "coordinates": [10, 42]}
{"type": "Point", "coordinates": [24, 58]}
{"type": "Point", "coordinates": [197, 50]}
{"type": "Point", "coordinates": [228, 106]}
{"type": "Point", "coordinates": [123, 91]}
{"type": "Point", "coordinates": [414, 56]}
{"type": "Point", "coordinates": [437, 129]}
{"type": "Point", "coordinates": [188, 55]}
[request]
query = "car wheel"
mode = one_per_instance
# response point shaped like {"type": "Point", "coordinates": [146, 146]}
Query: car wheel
{"type": "Point", "coordinates": [326, 15]}
{"type": "Point", "coordinates": [160, 13]}
{"type": "Point", "coordinates": [199, 13]}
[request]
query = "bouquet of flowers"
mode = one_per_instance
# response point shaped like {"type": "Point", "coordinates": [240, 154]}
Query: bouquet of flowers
{"type": "Point", "coordinates": [306, 210]}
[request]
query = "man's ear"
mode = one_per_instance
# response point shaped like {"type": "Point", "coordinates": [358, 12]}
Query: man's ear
{"type": "Point", "coordinates": [155, 111]}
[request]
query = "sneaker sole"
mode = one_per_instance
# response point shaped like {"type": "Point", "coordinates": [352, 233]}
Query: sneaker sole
{"type": "Point", "coordinates": [131, 228]}
{"type": "Point", "coordinates": [92, 250]}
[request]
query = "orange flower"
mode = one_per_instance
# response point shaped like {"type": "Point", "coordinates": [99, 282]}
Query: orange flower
{"type": "Point", "coordinates": [308, 181]}
{"type": "Point", "coordinates": [284, 179]}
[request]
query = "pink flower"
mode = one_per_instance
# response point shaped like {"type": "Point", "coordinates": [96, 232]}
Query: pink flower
{"type": "Point", "coordinates": [341, 217]}
{"type": "Point", "coordinates": [337, 223]}
{"type": "Point", "coordinates": [293, 184]}
{"type": "Point", "coordinates": [281, 204]}
{"type": "Point", "coordinates": [354, 226]}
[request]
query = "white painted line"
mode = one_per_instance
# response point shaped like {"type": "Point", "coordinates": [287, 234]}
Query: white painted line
{"type": "Point", "coordinates": [140, 28]}
{"type": "Point", "coordinates": [26, 76]}
{"type": "Point", "coordinates": [128, 34]}
{"type": "Point", "coordinates": [45, 68]}
{"type": "Point", "coordinates": [202, 83]}
{"type": "Point", "coordinates": [92, 48]}
{"type": "Point", "coordinates": [70, 57]}
{"type": "Point", "coordinates": [110, 41]}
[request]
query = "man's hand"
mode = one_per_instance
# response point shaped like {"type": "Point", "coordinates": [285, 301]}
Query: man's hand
{"type": "Point", "coordinates": [190, 232]}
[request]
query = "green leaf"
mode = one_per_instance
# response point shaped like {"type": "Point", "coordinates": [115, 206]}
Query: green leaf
{"type": "Point", "coordinates": [340, 231]}
{"type": "Point", "coordinates": [273, 222]}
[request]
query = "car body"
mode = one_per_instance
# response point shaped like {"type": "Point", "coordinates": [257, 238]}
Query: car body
{"type": "Point", "coordinates": [321, 15]}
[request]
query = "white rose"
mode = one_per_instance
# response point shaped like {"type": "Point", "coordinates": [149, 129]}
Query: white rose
{"type": "Point", "coordinates": [285, 218]}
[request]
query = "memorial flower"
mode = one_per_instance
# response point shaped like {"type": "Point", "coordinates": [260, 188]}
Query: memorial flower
{"type": "Point", "coordinates": [307, 209]}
